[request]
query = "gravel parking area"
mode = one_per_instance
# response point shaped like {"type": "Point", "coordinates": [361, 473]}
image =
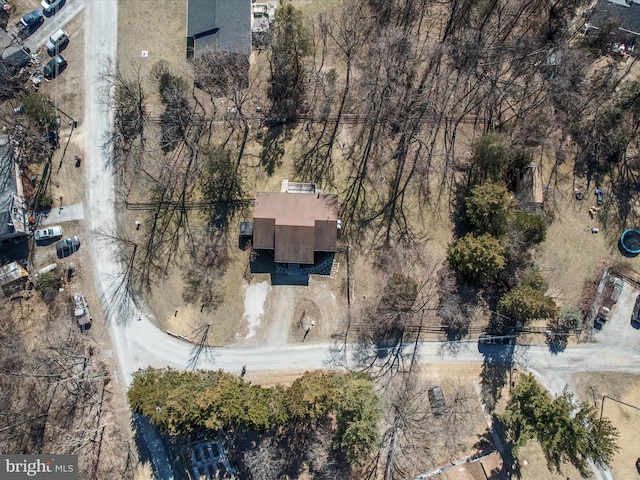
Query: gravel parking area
{"type": "Point", "coordinates": [619, 331]}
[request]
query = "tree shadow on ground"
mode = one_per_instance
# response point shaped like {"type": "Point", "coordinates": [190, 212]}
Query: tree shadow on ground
{"type": "Point", "coordinates": [384, 352]}
{"type": "Point", "coordinates": [151, 446]}
{"type": "Point", "coordinates": [509, 467]}
{"type": "Point", "coordinates": [557, 342]}
{"type": "Point", "coordinates": [506, 469]}
{"type": "Point", "coordinates": [496, 370]}
{"type": "Point", "coordinates": [273, 148]}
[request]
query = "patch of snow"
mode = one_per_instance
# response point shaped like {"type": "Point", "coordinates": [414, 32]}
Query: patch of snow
{"type": "Point", "coordinates": [254, 298]}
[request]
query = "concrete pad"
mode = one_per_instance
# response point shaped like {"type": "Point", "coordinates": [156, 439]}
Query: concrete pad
{"type": "Point", "coordinates": [66, 213]}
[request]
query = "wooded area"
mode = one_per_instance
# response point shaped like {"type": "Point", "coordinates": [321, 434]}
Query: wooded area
{"type": "Point", "coordinates": [340, 410]}
{"type": "Point", "coordinates": [56, 395]}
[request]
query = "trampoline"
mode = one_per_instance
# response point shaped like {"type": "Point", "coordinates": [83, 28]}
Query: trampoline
{"type": "Point", "coordinates": [630, 241]}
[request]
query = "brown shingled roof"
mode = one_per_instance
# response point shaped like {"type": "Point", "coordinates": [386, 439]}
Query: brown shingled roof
{"type": "Point", "coordinates": [295, 225]}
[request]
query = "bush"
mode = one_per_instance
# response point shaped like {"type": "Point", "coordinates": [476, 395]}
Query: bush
{"type": "Point", "coordinates": [495, 159]}
{"type": "Point", "coordinates": [570, 319]}
{"type": "Point", "coordinates": [47, 281]}
{"type": "Point", "coordinates": [532, 276]}
{"type": "Point", "coordinates": [48, 284]}
{"type": "Point", "coordinates": [531, 227]}
{"type": "Point", "coordinates": [44, 201]}
{"type": "Point", "coordinates": [399, 293]}
{"type": "Point", "coordinates": [39, 109]}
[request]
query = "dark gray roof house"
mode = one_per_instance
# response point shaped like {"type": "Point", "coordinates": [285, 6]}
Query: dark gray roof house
{"type": "Point", "coordinates": [222, 25]}
{"type": "Point", "coordinates": [13, 216]}
{"type": "Point", "coordinates": [624, 13]}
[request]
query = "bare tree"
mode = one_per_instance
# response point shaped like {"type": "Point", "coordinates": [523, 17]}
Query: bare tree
{"type": "Point", "coordinates": [264, 462]}
{"type": "Point", "coordinates": [58, 399]}
{"type": "Point", "coordinates": [201, 345]}
{"type": "Point", "coordinates": [125, 95]}
{"type": "Point", "coordinates": [408, 430]}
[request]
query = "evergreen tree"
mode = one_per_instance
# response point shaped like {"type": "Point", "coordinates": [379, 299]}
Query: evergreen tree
{"type": "Point", "coordinates": [566, 431]}
{"type": "Point", "coordinates": [490, 208]}
{"type": "Point", "coordinates": [476, 259]}
{"type": "Point", "coordinates": [524, 303]}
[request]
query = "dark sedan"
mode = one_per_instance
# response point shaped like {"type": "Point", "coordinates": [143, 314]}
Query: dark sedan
{"type": "Point", "coordinates": [55, 66]}
{"type": "Point", "coordinates": [66, 247]}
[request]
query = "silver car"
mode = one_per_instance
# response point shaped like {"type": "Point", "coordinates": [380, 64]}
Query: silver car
{"type": "Point", "coordinates": [57, 42]}
{"type": "Point", "coordinates": [51, 6]}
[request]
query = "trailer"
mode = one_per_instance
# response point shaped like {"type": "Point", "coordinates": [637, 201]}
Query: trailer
{"type": "Point", "coordinates": [81, 310]}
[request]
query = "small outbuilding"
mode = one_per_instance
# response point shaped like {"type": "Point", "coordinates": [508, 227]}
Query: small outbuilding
{"type": "Point", "coordinates": [13, 277]}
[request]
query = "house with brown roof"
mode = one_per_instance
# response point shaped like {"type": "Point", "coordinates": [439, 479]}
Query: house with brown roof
{"type": "Point", "coordinates": [296, 226]}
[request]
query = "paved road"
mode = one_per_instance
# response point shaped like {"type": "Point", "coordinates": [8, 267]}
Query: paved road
{"type": "Point", "coordinates": [147, 345]}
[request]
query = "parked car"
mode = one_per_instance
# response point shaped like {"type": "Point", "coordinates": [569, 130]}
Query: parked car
{"type": "Point", "coordinates": [81, 310]}
{"type": "Point", "coordinates": [599, 196]}
{"type": "Point", "coordinates": [55, 66]}
{"type": "Point", "coordinates": [604, 313]}
{"type": "Point", "coordinates": [57, 42]}
{"type": "Point", "coordinates": [618, 285]}
{"type": "Point", "coordinates": [66, 247]}
{"type": "Point", "coordinates": [28, 24]}
{"type": "Point", "coordinates": [635, 316]}
{"type": "Point", "coordinates": [51, 6]}
{"type": "Point", "coordinates": [48, 233]}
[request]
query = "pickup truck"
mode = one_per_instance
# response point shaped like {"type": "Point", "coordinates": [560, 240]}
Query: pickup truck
{"type": "Point", "coordinates": [48, 233]}
{"type": "Point", "coordinates": [28, 24]}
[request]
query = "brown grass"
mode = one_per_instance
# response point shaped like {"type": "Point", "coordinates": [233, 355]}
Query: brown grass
{"type": "Point", "coordinates": [571, 252]}
{"type": "Point", "coordinates": [624, 387]}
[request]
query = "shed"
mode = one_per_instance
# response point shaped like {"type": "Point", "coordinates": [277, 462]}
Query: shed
{"type": "Point", "coordinates": [12, 277]}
